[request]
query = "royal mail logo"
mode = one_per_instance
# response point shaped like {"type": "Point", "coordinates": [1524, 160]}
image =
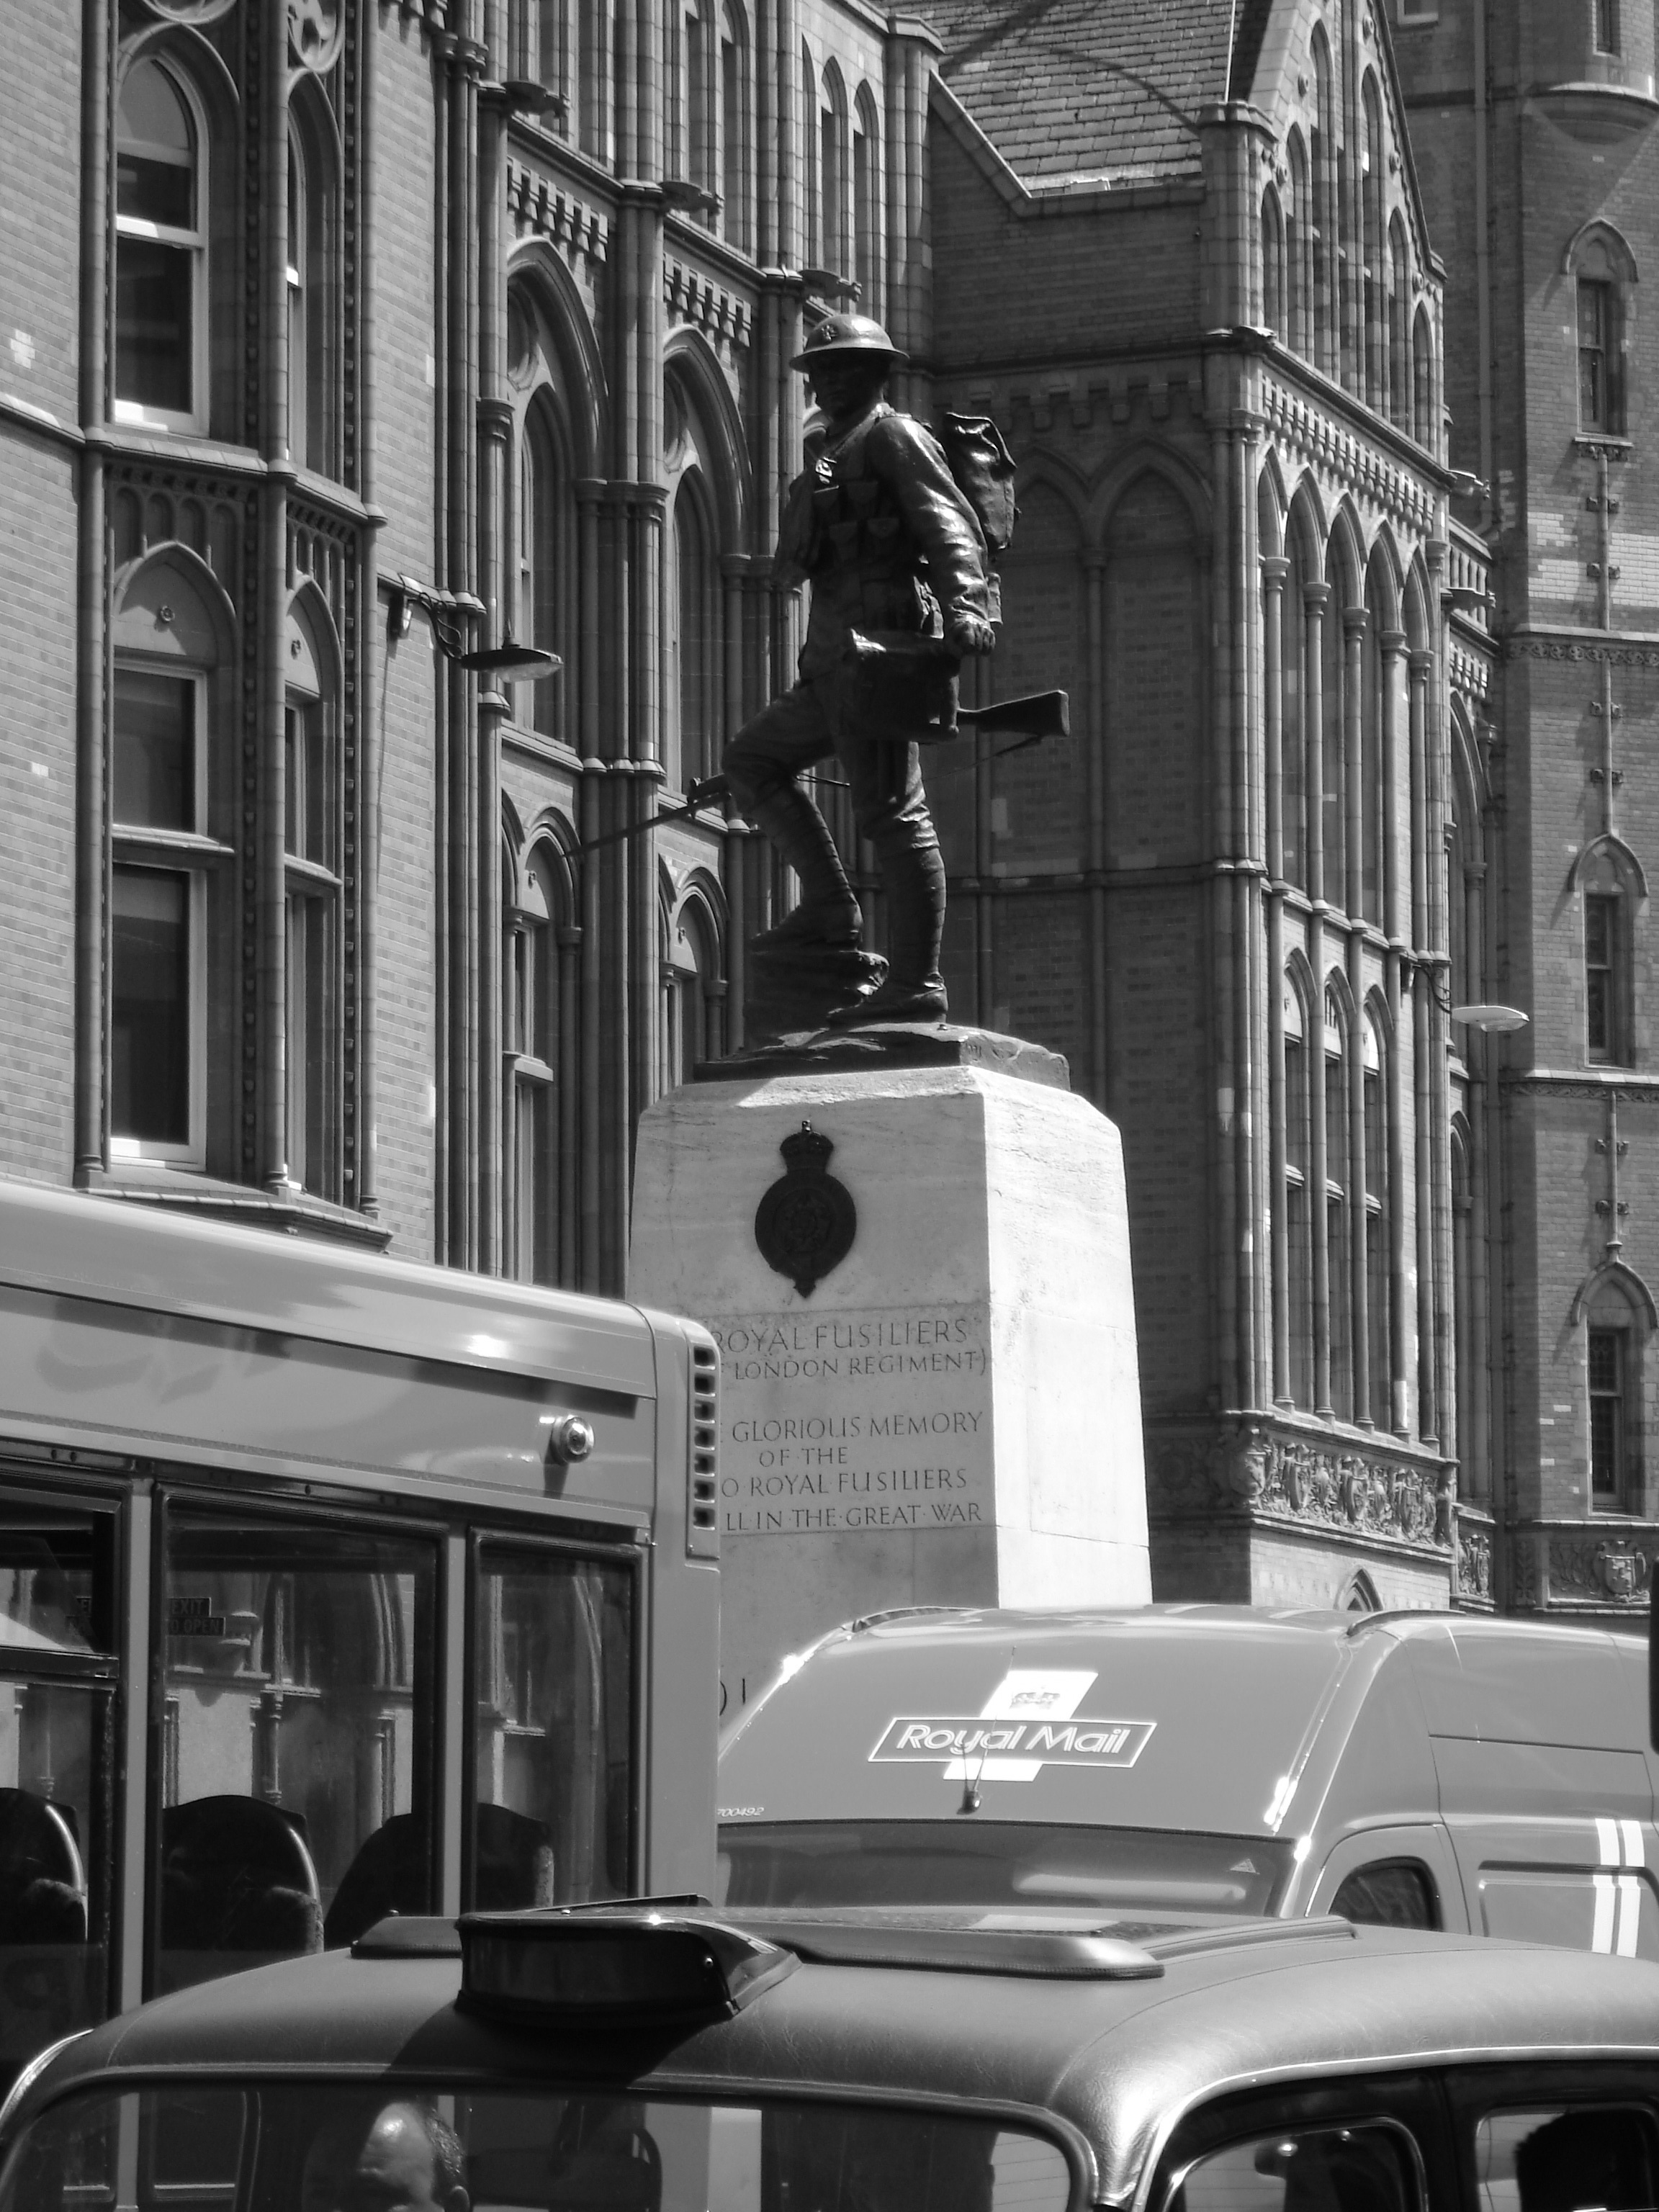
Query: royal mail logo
{"type": "Point", "coordinates": [1029, 1720]}
{"type": "Point", "coordinates": [927, 1739]}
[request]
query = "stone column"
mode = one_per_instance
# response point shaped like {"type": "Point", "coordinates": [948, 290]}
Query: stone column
{"type": "Point", "coordinates": [271, 620]}
{"type": "Point", "coordinates": [1420, 666]}
{"type": "Point", "coordinates": [1395, 923]}
{"type": "Point", "coordinates": [1316, 598]}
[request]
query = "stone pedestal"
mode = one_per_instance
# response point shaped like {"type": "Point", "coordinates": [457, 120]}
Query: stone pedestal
{"type": "Point", "coordinates": [948, 1414]}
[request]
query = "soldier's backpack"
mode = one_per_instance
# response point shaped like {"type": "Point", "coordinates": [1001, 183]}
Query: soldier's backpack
{"type": "Point", "coordinates": [984, 471]}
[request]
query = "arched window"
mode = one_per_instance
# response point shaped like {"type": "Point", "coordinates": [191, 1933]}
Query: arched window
{"type": "Point", "coordinates": [541, 551]}
{"type": "Point", "coordinates": [812, 233]}
{"type": "Point", "coordinates": [1371, 224]}
{"type": "Point", "coordinates": [1326, 233]}
{"type": "Point", "coordinates": [836, 247]}
{"type": "Point", "coordinates": [160, 251]}
{"type": "Point", "coordinates": [1293, 732]}
{"type": "Point", "coordinates": [696, 645]}
{"type": "Point", "coordinates": [866, 202]}
{"type": "Point", "coordinates": [1273, 264]}
{"type": "Point", "coordinates": [1399, 308]}
{"type": "Point", "coordinates": [1615, 1343]}
{"type": "Point", "coordinates": [734, 133]}
{"type": "Point", "coordinates": [696, 155]}
{"type": "Point", "coordinates": [171, 902]}
{"type": "Point", "coordinates": [1333, 738]}
{"type": "Point", "coordinates": [311, 836]}
{"type": "Point", "coordinates": [1299, 1238]}
{"type": "Point", "coordinates": [1602, 273]}
{"type": "Point", "coordinates": [1606, 899]}
{"type": "Point", "coordinates": [1379, 1213]}
{"type": "Point", "coordinates": [1375, 708]}
{"type": "Point", "coordinates": [1423, 381]}
{"type": "Point", "coordinates": [1298, 248]}
{"type": "Point", "coordinates": [1339, 1209]}
{"type": "Point", "coordinates": [538, 1026]}
{"type": "Point", "coordinates": [313, 290]}
{"type": "Point", "coordinates": [693, 992]}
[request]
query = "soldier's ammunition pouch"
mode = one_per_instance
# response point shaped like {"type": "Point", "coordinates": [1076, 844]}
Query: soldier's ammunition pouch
{"type": "Point", "coordinates": [899, 688]}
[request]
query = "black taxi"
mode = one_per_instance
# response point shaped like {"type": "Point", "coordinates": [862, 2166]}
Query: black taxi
{"type": "Point", "coordinates": [660, 2056]}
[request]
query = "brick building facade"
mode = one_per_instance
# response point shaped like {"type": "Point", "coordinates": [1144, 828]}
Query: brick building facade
{"type": "Point", "coordinates": [1536, 131]}
{"type": "Point", "coordinates": [1186, 265]}
{"type": "Point", "coordinates": [342, 328]}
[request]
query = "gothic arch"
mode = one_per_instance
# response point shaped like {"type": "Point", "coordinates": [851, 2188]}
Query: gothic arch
{"type": "Point", "coordinates": [1416, 602]}
{"type": "Point", "coordinates": [1043, 465]}
{"type": "Point", "coordinates": [144, 589]}
{"type": "Point", "coordinates": [727, 470]}
{"type": "Point", "coordinates": [1386, 572]}
{"type": "Point", "coordinates": [1613, 1274]}
{"type": "Point", "coordinates": [1623, 859]}
{"type": "Point", "coordinates": [185, 48]}
{"type": "Point", "coordinates": [310, 627]}
{"type": "Point", "coordinates": [1149, 457]}
{"type": "Point", "coordinates": [1272, 503]}
{"type": "Point", "coordinates": [1357, 1594]}
{"type": "Point", "coordinates": [1344, 556]}
{"type": "Point", "coordinates": [536, 271]}
{"type": "Point", "coordinates": [1307, 522]}
{"type": "Point", "coordinates": [1612, 241]}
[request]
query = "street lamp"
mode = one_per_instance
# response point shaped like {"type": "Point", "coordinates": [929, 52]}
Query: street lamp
{"type": "Point", "coordinates": [1495, 1021]}
{"type": "Point", "coordinates": [505, 661]}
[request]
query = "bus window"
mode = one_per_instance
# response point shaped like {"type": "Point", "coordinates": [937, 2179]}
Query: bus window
{"type": "Point", "coordinates": [56, 1688]}
{"type": "Point", "coordinates": [553, 1667]}
{"type": "Point", "coordinates": [296, 1739]}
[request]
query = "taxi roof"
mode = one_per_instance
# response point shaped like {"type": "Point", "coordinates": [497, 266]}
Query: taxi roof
{"type": "Point", "coordinates": [1111, 2063]}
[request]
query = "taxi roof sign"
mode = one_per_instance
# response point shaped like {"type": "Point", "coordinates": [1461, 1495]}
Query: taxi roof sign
{"type": "Point", "coordinates": [613, 1969]}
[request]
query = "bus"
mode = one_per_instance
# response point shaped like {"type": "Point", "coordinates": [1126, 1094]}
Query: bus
{"type": "Point", "coordinates": [330, 1586]}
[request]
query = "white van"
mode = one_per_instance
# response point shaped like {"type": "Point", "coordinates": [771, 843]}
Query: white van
{"type": "Point", "coordinates": [1421, 1769]}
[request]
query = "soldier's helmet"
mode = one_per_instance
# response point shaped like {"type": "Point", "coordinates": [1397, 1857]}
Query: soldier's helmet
{"type": "Point", "coordinates": [847, 337]}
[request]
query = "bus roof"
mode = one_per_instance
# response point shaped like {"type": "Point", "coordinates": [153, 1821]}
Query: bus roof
{"type": "Point", "coordinates": [1204, 1718]}
{"type": "Point", "coordinates": [79, 1245]}
{"type": "Point", "coordinates": [1114, 2063]}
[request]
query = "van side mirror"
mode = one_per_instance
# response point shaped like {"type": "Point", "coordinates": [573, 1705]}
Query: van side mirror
{"type": "Point", "coordinates": [1653, 1657]}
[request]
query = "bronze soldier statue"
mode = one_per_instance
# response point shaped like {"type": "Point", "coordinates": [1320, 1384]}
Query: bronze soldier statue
{"type": "Point", "coordinates": [891, 547]}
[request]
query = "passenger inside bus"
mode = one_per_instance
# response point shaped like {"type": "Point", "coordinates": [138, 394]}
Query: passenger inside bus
{"type": "Point", "coordinates": [397, 2157]}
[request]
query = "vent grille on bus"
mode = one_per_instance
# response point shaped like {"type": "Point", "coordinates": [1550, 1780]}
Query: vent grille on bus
{"type": "Point", "coordinates": [702, 1510]}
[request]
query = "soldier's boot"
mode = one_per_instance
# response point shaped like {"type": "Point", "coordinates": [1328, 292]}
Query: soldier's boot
{"type": "Point", "coordinates": [828, 912]}
{"type": "Point", "coordinates": [913, 989]}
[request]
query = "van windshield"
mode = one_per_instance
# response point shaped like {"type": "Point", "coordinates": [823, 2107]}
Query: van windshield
{"type": "Point", "coordinates": [295, 2148]}
{"type": "Point", "coordinates": [971, 1861]}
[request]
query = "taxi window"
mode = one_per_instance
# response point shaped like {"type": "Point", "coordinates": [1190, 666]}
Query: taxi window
{"type": "Point", "coordinates": [1358, 2169]}
{"type": "Point", "coordinates": [553, 1652]}
{"type": "Point", "coordinates": [57, 1683]}
{"type": "Point", "coordinates": [1557, 2158]}
{"type": "Point", "coordinates": [283, 2148]}
{"type": "Point", "coordinates": [296, 1733]}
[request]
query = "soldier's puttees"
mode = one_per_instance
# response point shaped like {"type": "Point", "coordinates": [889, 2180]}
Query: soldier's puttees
{"type": "Point", "coordinates": [900, 593]}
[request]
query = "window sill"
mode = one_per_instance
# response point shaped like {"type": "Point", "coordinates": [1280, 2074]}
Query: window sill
{"type": "Point", "coordinates": [176, 844]}
{"type": "Point", "coordinates": [183, 1189]}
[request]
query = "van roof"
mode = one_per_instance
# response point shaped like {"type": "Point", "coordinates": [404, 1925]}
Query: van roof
{"type": "Point", "coordinates": [1114, 2063]}
{"type": "Point", "coordinates": [1214, 1718]}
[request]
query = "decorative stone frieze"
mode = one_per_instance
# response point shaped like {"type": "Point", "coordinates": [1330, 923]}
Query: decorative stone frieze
{"type": "Point", "coordinates": [724, 318]}
{"type": "Point", "coordinates": [1472, 1565]}
{"type": "Point", "coordinates": [1258, 1470]}
{"type": "Point", "coordinates": [1340, 455]}
{"type": "Point", "coordinates": [543, 209]}
{"type": "Point", "coordinates": [1581, 1567]}
{"type": "Point", "coordinates": [1586, 649]}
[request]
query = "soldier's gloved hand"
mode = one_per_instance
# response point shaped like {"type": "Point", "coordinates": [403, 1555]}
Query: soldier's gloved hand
{"type": "Point", "coordinates": [970, 634]}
